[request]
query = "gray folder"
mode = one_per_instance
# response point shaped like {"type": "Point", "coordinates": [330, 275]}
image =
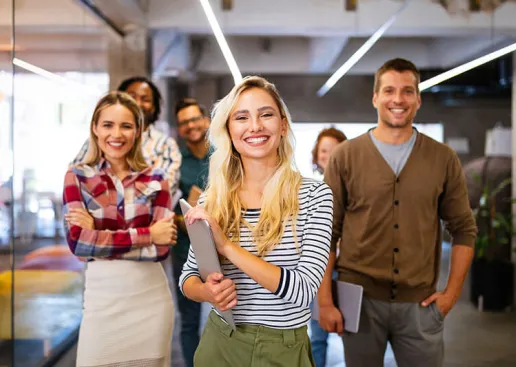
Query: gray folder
{"type": "Point", "coordinates": [348, 299]}
{"type": "Point", "coordinates": [205, 252]}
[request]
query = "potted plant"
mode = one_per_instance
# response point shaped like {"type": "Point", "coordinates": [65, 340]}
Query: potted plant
{"type": "Point", "coordinates": [492, 280]}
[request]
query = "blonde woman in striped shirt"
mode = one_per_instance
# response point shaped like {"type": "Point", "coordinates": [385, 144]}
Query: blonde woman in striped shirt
{"type": "Point", "coordinates": [272, 228]}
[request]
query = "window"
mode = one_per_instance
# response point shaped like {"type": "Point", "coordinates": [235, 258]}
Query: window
{"type": "Point", "coordinates": [306, 135]}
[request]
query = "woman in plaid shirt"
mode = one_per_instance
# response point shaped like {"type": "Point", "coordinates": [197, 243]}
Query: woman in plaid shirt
{"type": "Point", "coordinates": [118, 215]}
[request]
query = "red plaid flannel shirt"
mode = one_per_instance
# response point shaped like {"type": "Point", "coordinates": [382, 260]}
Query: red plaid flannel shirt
{"type": "Point", "coordinates": [123, 212]}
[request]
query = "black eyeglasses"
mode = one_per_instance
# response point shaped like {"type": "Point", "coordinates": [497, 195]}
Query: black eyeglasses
{"type": "Point", "coordinates": [193, 119]}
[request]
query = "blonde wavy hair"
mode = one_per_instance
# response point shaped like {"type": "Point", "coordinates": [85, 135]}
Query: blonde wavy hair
{"type": "Point", "coordinates": [135, 156]}
{"type": "Point", "coordinates": [280, 203]}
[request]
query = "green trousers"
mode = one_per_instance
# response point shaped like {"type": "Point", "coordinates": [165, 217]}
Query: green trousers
{"type": "Point", "coordinates": [252, 346]}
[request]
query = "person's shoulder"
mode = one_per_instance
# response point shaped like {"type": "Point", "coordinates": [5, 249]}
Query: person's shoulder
{"type": "Point", "coordinates": [351, 144]}
{"type": "Point", "coordinates": [83, 170]}
{"type": "Point", "coordinates": [154, 173]}
{"type": "Point", "coordinates": [81, 174]}
{"type": "Point", "coordinates": [160, 136]}
{"type": "Point", "coordinates": [310, 182]}
{"type": "Point", "coordinates": [358, 141]}
{"type": "Point", "coordinates": [436, 147]}
{"type": "Point", "coordinates": [151, 179]}
{"type": "Point", "coordinates": [185, 152]}
{"type": "Point", "coordinates": [314, 186]}
{"type": "Point", "coordinates": [170, 141]}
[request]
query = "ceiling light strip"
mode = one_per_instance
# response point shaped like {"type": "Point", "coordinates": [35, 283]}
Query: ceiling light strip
{"type": "Point", "coordinates": [230, 60]}
{"type": "Point", "coordinates": [54, 77]}
{"type": "Point", "coordinates": [466, 67]}
{"type": "Point", "coordinates": [359, 53]}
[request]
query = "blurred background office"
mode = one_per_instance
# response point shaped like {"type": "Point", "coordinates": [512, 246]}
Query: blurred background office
{"type": "Point", "coordinates": [57, 57]}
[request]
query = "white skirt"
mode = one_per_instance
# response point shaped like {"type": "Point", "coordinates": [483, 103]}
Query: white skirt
{"type": "Point", "coordinates": [128, 315]}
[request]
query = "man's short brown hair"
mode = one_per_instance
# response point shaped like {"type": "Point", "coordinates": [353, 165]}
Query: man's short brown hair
{"type": "Point", "coordinates": [399, 65]}
{"type": "Point", "coordinates": [187, 102]}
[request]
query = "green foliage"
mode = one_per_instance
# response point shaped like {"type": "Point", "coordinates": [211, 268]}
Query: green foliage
{"type": "Point", "coordinates": [495, 229]}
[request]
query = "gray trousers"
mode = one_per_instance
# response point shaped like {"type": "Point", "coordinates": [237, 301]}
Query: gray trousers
{"type": "Point", "coordinates": [415, 334]}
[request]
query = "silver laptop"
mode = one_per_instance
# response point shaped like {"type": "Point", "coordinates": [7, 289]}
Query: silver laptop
{"type": "Point", "coordinates": [348, 298]}
{"type": "Point", "coordinates": [205, 252]}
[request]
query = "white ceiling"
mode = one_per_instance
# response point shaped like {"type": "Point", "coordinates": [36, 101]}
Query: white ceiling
{"type": "Point", "coordinates": [266, 36]}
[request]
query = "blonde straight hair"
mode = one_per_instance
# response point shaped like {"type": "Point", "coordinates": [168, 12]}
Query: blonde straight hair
{"type": "Point", "coordinates": [135, 156]}
{"type": "Point", "coordinates": [280, 203]}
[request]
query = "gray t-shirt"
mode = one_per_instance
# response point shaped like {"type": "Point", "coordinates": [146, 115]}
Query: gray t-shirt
{"type": "Point", "coordinates": [395, 155]}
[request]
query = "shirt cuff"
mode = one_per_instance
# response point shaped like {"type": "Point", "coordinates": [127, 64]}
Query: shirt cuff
{"type": "Point", "coordinates": [183, 280]}
{"type": "Point", "coordinates": [465, 240]}
{"type": "Point", "coordinates": [140, 237]}
{"type": "Point", "coordinates": [284, 284]}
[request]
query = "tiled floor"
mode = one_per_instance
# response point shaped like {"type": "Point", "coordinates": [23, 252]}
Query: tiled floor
{"type": "Point", "coordinates": [472, 338]}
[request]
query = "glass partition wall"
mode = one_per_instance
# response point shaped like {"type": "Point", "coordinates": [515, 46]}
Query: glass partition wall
{"type": "Point", "coordinates": [49, 85]}
{"type": "Point", "coordinates": [6, 175]}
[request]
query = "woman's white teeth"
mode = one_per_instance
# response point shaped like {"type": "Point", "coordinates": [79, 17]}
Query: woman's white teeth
{"type": "Point", "coordinates": [115, 144]}
{"type": "Point", "coordinates": [256, 140]}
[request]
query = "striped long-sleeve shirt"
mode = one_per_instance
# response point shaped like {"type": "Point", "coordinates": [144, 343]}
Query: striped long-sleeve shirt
{"type": "Point", "coordinates": [159, 151]}
{"type": "Point", "coordinates": [123, 212]}
{"type": "Point", "coordinates": [302, 267]}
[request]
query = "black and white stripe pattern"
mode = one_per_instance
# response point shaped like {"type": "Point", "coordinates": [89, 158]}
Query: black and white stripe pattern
{"type": "Point", "coordinates": [302, 267]}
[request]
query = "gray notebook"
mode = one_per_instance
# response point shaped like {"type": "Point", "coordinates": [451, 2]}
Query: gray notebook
{"type": "Point", "coordinates": [205, 252]}
{"type": "Point", "coordinates": [348, 299]}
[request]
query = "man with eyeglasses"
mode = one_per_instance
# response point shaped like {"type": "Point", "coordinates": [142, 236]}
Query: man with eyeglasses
{"type": "Point", "coordinates": [192, 123]}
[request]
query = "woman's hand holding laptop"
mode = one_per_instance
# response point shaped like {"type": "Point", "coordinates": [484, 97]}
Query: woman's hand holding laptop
{"type": "Point", "coordinates": [222, 243]}
{"type": "Point", "coordinates": [220, 291]}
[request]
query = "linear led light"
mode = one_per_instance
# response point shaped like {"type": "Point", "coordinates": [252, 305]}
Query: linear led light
{"type": "Point", "coordinates": [466, 67]}
{"type": "Point", "coordinates": [359, 53]}
{"type": "Point", "coordinates": [230, 60]}
{"type": "Point", "coordinates": [54, 77]}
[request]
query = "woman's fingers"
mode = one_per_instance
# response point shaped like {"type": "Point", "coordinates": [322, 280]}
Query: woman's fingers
{"type": "Point", "coordinates": [77, 214]}
{"type": "Point", "coordinates": [196, 213]}
{"type": "Point", "coordinates": [229, 302]}
{"type": "Point", "coordinates": [230, 305]}
{"type": "Point", "coordinates": [173, 236]}
{"type": "Point", "coordinates": [78, 223]}
{"type": "Point", "coordinates": [71, 217]}
{"type": "Point", "coordinates": [79, 211]}
{"type": "Point", "coordinates": [223, 293]}
{"type": "Point", "coordinates": [79, 217]}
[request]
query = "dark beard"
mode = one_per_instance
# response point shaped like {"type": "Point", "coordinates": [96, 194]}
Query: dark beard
{"type": "Point", "coordinates": [202, 138]}
{"type": "Point", "coordinates": [148, 119]}
{"type": "Point", "coordinates": [392, 126]}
